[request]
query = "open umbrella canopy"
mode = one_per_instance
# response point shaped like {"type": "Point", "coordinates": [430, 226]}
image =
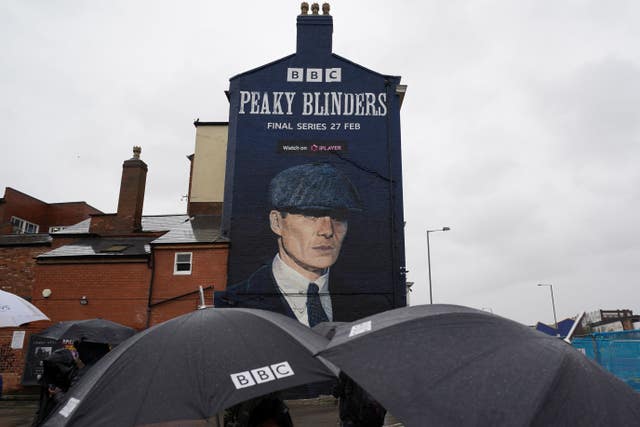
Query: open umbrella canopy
{"type": "Point", "coordinates": [16, 311]}
{"type": "Point", "coordinates": [91, 330]}
{"type": "Point", "coordinates": [327, 329]}
{"type": "Point", "coordinates": [192, 367]}
{"type": "Point", "coordinates": [446, 365]}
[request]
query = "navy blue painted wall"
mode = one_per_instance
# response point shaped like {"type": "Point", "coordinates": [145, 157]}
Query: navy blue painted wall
{"type": "Point", "coordinates": [372, 256]}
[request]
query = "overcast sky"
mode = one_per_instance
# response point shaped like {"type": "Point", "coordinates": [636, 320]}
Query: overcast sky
{"type": "Point", "coordinates": [521, 125]}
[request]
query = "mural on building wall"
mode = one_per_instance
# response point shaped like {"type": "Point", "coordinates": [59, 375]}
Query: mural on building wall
{"type": "Point", "coordinates": [313, 191]}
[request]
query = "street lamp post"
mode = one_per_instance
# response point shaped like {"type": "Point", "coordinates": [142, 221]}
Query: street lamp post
{"type": "Point", "coordinates": [553, 303]}
{"type": "Point", "coordinates": [429, 259]}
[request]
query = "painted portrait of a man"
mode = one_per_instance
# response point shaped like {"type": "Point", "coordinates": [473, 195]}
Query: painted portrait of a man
{"type": "Point", "coordinates": [310, 207]}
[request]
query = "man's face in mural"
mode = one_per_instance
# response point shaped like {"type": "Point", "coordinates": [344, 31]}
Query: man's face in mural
{"type": "Point", "coordinates": [309, 242]}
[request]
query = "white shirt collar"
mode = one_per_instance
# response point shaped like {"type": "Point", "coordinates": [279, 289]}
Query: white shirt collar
{"type": "Point", "coordinates": [293, 287]}
{"type": "Point", "coordinates": [292, 282]}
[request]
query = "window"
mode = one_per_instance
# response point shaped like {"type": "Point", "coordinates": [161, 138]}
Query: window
{"type": "Point", "coordinates": [183, 263]}
{"type": "Point", "coordinates": [22, 226]}
{"type": "Point", "coordinates": [56, 228]}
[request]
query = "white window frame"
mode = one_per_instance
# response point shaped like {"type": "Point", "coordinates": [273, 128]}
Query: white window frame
{"type": "Point", "coordinates": [21, 226]}
{"type": "Point", "coordinates": [175, 263]}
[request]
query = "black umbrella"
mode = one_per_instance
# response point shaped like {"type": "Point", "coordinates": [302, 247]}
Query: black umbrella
{"type": "Point", "coordinates": [194, 366]}
{"type": "Point", "coordinates": [90, 330]}
{"type": "Point", "coordinates": [446, 365]}
{"type": "Point", "coordinates": [327, 329]}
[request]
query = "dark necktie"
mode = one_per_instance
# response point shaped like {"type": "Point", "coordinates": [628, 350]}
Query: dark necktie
{"type": "Point", "coordinates": [315, 312]}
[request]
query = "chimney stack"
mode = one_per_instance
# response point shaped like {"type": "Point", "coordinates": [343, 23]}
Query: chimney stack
{"type": "Point", "coordinates": [315, 31]}
{"type": "Point", "coordinates": [132, 184]}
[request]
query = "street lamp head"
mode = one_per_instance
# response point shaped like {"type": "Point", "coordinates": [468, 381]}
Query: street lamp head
{"type": "Point", "coordinates": [435, 230]}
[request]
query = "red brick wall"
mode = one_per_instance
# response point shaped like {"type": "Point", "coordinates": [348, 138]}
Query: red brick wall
{"type": "Point", "coordinates": [205, 208]}
{"type": "Point", "coordinates": [25, 207]}
{"type": "Point", "coordinates": [115, 291]}
{"type": "Point", "coordinates": [68, 213]}
{"type": "Point", "coordinates": [209, 268]}
{"type": "Point", "coordinates": [109, 224]}
{"type": "Point", "coordinates": [11, 361]}
{"type": "Point", "coordinates": [17, 268]}
{"type": "Point", "coordinates": [175, 308]}
{"type": "Point", "coordinates": [131, 198]}
{"type": "Point", "coordinates": [118, 292]}
{"type": "Point", "coordinates": [38, 212]}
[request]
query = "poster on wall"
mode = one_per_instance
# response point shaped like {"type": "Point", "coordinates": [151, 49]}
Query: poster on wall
{"type": "Point", "coordinates": [39, 349]}
{"type": "Point", "coordinates": [313, 187]}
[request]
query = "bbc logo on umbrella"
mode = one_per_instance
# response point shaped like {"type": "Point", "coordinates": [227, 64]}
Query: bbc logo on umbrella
{"type": "Point", "coordinates": [262, 375]}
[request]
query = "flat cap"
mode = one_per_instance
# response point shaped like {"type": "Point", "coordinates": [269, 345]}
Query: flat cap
{"type": "Point", "coordinates": [313, 186]}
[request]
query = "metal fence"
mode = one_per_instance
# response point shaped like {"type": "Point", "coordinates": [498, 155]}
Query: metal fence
{"type": "Point", "coordinates": [618, 352]}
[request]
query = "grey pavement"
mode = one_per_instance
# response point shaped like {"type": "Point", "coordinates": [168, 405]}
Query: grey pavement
{"type": "Point", "coordinates": [321, 412]}
{"type": "Point", "coordinates": [313, 412]}
{"type": "Point", "coordinates": [17, 413]}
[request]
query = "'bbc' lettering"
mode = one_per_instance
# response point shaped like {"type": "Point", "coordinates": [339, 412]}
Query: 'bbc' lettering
{"type": "Point", "coordinates": [314, 75]}
{"type": "Point", "coordinates": [261, 375]}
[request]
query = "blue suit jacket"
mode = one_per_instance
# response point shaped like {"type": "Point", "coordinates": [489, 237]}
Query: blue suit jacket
{"type": "Point", "coordinates": [261, 291]}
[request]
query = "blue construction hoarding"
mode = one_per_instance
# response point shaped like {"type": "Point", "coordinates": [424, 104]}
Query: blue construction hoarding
{"type": "Point", "coordinates": [617, 352]}
{"type": "Point", "coordinates": [314, 141]}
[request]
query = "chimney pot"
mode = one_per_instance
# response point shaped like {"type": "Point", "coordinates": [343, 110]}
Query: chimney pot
{"type": "Point", "coordinates": [136, 151]}
{"type": "Point", "coordinates": [314, 31]}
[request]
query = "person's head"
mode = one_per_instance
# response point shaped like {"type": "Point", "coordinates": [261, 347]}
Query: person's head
{"type": "Point", "coordinates": [59, 369]}
{"type": "Point", "coordinates": [310, 205]}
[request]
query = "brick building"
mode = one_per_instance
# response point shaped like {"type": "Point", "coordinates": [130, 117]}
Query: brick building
{"type": "Point", "coordinates": [137, 280]}
{"type": "Point", "coordinates": [25, 223]}
{"type": "Point", "coordinates": [24, 214]}
{"type": "Point", "coordinates": [126, 267]}
{"type": "Point", "coordinates": [133, 269]}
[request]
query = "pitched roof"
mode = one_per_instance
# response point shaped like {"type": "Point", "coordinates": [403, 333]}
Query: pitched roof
{"type": "Point", "coordinates": [79, 228]}
{"type": "Point", "coordinates": [199, 229]}
{"type": "Point", "coordinates": [149, 223]}
{"type": "Point", "coordinates": [162, 222]}
{"type": "Point", "coordinates": [180, 229]}
{"type": "Point", "coordinates": [112, 247]}
{"type": "Point", "coordinates": [25, 239]}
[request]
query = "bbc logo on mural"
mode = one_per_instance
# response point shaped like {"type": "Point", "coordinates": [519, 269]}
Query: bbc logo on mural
{"type": "Point", "coordinates": [314, 75]}
{"type": "Point", "coordinates": [261, 375]}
